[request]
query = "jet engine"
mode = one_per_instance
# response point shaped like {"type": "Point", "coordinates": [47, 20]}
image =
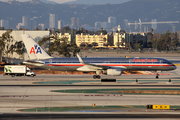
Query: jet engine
{"type": "Point", "coordinates": [113, 72]}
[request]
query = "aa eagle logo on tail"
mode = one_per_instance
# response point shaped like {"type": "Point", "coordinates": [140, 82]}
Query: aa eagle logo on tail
{"type": "Point", "coordinates": [35, 50]}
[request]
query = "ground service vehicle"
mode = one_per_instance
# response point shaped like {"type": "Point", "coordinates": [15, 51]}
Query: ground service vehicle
{"type": "Point", "coordinates": [18, 70]}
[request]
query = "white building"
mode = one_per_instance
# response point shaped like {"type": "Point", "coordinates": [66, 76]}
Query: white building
{"type": "Point", "coordinates": [41, 25]}
{"type": "Point", "coordinates": [136, 25]}
{"type": "Point", "coordinates": [119, 28]}
{"type": "Point", "coordinates": [112, 21]}
{"type": "Point", "coordinates": [20, 25]}
{"type": "Point", "coordinates": [118, 38]}
{"type": "Point", "coordinates": [25, 22]}
{"type": "Point", "coordinates": [33, 24]}
{"type": "Point", "coordinates": [78, 22]}
{"type": "Point", "coordinates": [89, 39]}
{"type": "Point", "coordinates": [73, 21]}
{"type": "Point", "coordinates": [154, 24]}
{"type": "Point", "coordinates": [60, 24]}
{"type": "Point", "coordinates": [4, 23]}
{"type": "Point", "coordinates": [126, 23]}
{"type": "Point", "coordinates": [106, 25]}
{"type": "Point", "coordinates": [98, 24]}
{"type": "Point", "coordinates": [52, 21]}
{"type": "Point", "coordinates": [60, 36]}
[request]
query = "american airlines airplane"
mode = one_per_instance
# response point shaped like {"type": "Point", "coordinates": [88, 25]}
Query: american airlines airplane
{"type": "Point", "coordinates": [108, 66]}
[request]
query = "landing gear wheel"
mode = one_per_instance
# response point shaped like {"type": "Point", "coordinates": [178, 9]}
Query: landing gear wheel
{"type": "Point", "coordinates": [94, 76]}
{"type": "Point", "coordinates": [98, 76]}
{"type": "Point", "coordinates": [32, 75]}
{"type": "Point", "coordinates": [12, 75]}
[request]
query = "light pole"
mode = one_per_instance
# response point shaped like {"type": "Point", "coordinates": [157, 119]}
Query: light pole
{"type": "Point", "coordinates": [129, 43]}
{"type": "Point", "coordinates": [129, 40]}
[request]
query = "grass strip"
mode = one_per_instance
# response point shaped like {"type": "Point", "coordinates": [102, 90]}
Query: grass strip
{"type": "Point", "coordinates": [80, 108]}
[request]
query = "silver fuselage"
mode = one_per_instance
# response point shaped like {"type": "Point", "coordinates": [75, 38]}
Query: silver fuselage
{"type": "Point", "coordinates": [129, 64]}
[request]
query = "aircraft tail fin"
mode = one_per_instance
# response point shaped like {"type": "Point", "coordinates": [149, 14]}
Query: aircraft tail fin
{"type": "Point", "coordinates": [34, 51]}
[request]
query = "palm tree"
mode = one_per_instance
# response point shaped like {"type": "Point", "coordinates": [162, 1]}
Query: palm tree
{"type": "Point", "coordinates": [2, 47]}
{"type": "Point", "coordinates": [94, 44]}
{"type": "Point", "coordinates": [19, 48]}
{"type": "Point", "coordinates": [83, 44]}
{"type": "Point", "coordinates": [104, 39]}
{"type": "Point", "coordinates": [151, 30]}
{"type": "Point", "coordinates": [8, 41]}
{"type": "Point", "coordinates": [122, 41]}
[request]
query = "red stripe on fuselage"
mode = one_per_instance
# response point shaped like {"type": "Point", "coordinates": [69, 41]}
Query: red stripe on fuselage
{"type": "Point", "coordinates": [110, 65]}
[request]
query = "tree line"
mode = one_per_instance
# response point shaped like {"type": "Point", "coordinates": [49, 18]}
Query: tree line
{"type": "Point", "coordinates": [8, 46]}
{"type": "Point", "coordinates": [62, 46]}
{"type": "Point", "coordinates": [167, 41]}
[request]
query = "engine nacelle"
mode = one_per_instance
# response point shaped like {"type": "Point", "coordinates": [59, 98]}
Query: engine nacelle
{"type": "Point", "coordinates": [114, 72]}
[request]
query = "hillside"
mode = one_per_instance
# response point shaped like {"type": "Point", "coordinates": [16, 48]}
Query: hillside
{"type": "Point", "coordinates": [162, 10]}
{"type": "Point", "coordinates": [95, 2]}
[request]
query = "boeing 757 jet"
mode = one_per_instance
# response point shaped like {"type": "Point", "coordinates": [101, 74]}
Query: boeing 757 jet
{"type": "Point", "coordinates": [108, 66]}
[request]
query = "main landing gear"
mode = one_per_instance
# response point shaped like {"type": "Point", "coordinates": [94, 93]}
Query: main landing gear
{"type": "Point", "coordinates": [97, 77]}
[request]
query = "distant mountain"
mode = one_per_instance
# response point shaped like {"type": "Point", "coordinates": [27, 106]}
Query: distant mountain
{"type": "Point", "coordinates": [97, 2]}
{"type": "Point", "coordinates": [146, 10]}
{"type": "Point", "coordinates": [46, 1]}
{"type": "Point", "coordinates": [43, 1]}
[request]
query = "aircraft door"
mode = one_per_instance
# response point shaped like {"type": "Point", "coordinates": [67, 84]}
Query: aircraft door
{"type": "Point", "coordinates": [130, 62]}
{"type": "Point", "coordinates": [50, 60]}
{"type": "Point", "coordinates": [161, 62]}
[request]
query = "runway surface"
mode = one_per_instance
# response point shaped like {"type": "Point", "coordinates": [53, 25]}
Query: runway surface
{"type": "Point", "coordinates": [23, 93]}
{"type": "Point", "coordinates": [92, 116]}
{"type": "Point", "coordinates": [14, 99]}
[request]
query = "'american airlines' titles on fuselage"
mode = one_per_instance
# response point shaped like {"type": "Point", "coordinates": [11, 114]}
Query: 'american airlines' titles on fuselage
{"type": "Point", "coordinates": [144, 60]}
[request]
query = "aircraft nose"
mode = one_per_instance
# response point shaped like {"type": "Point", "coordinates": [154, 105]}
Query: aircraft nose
{"type": "Point", "coordinates": [24, 62]}
{"type": "Point", "coordinates": [174, 67]}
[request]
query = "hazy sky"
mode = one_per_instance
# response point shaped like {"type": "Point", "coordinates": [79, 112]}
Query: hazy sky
{"type": "Point", "coordinates": [63, 1]}
{"type": "Point", "coordinates": [58, 1]}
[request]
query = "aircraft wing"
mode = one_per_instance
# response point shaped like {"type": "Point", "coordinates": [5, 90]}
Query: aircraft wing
{"type": "Point", "coordinates": [96, 67]}
{"type": "Point", "coordinates": [91, 67]}
{"type": "Point", "coordinates": [37, 63]}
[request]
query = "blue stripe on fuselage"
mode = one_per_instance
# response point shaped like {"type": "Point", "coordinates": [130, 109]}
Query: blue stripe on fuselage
{"type": "Point", "coordinates": [107, 60]}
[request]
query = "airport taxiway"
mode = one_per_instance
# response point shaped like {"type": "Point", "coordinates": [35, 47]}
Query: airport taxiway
{"type": "Point", "coordinates": [21, 93]}
{"type": "Point", "coordinates": [88, 80]}
{"type": "Point", "coordinates": [14, 98]}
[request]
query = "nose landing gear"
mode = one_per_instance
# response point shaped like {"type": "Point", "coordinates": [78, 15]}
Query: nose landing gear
{"type": "Point", "coordinates": [157, 77]}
